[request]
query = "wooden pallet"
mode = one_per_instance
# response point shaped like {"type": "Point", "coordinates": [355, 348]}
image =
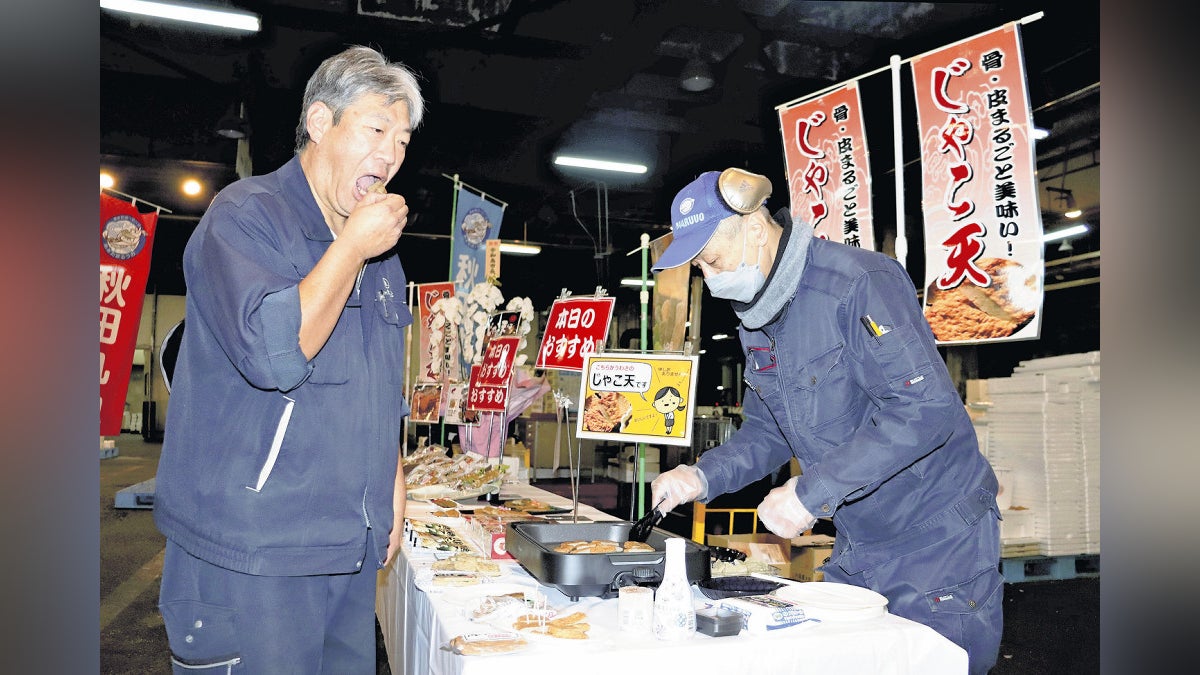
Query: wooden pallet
{"type": "Point", "coordinates": [1047, 568]}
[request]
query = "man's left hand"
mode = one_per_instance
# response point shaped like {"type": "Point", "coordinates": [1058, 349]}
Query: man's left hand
{"type": "Point", "coordinates": [395, 541]}
{"type": "Point", "coordinates": [782, 512]}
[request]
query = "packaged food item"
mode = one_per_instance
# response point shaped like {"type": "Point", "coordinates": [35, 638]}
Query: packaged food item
{"type": "Point", "coordinates": [762, 613]}
{"type": "Point", "coordinates": [476, 644]}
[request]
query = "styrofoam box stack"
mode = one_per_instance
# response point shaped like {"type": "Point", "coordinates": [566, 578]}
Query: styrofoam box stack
{"type": "Point", "coordinates": [1044, 425]}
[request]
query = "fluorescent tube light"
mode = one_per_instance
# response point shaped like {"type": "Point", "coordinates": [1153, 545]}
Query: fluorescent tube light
{"type": "Point", "coordinates": [587, 163]}
{"type": "Point", "coordinates": [1073, 213]}
{"type": "Point", "coordinates": [635, 281]}
{"type": "Point", "coordinates": [720, 336]}
{"type": "Point", "coordinates": [209, 17]}
{"type": "Point", "coordinates": [1064, 233]}
{"type": "Point", "coordinates": [519, 249]}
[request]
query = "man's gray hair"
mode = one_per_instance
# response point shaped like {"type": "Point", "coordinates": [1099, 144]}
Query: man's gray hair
{"type": "Point", "coordinates": [341, 79]}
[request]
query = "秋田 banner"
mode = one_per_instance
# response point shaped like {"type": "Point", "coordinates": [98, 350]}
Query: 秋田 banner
{"type": "Point", "coordinates": [126, 238]}
{"type": "Point", "coordinates": [829, 180]}
{"type": "Point", "coordinates": [638, 398]}
{"type": "Point", "coordinates": [983, 225]}
{"type": "Point", "coordinates": [476, 221]}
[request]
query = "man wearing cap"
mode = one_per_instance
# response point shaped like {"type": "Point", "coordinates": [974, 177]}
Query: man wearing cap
{"type": "Point", "coordinates": [843, 374]}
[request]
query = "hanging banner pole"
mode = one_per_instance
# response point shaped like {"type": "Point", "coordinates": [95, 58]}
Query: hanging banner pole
{"type": "Point", "coordinates": [453, 221]}
{"type": "Point", "coordinates": [458, 183]}
{"type": "Point", "coordinates": [898, 158]}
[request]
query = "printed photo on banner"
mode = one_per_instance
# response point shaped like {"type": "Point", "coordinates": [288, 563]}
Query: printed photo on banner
{"type": "Point", "coordinates": [984, 261]}
{"type": "Point", "coordinates": [426, 402]}
{"type": "Point", "coordinates": [638, 398]}
{"type": "Point", "coordinates": [455, 411]}
{"type": "Point", "coordinates": [829, 179]}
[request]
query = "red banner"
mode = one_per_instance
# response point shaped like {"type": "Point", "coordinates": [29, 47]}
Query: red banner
{"type": "Point", "coordinates": [829, 180]}
{"type": "Point", "coordinates": [489, 380]}
{"type": "Point", "coordinates": [575, 328]}
{"type": "Point", "coordinates": [983, 225]}
{"type": "Point", "coordinates": [126, 237]}
{"type": "Point", "coordinates": [436, 354]}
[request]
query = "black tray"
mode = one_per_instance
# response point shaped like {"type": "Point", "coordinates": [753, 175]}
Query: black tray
{"type": "Point", "coordinates": [602, 575]}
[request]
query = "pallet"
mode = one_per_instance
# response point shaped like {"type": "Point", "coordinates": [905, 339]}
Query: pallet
{"type": "Point", "coordinates": [140, 496]}
{"type": "Point", "coordinates": [1047, 568]}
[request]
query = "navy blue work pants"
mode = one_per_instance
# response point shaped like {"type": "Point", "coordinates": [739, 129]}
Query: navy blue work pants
{"type": "Point", "coordinates": [220, 621]}
{"type": "Point", "coordinates": [953, 586]}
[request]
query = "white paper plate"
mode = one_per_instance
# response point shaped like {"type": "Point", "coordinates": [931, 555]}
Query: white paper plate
{"type": "Point", "coordinates": [830, 601]}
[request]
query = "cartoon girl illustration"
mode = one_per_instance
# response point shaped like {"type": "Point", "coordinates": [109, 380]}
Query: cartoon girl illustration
{"type": "Point", "coordinates": [668, 401]}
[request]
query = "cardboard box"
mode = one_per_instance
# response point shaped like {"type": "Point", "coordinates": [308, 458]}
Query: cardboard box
{"type": "Point", "coordinates": [808, 554]}
{"type": "Point", "coordinates": [764, 547]}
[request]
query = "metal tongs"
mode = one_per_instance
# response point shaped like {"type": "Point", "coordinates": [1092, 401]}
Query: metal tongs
{"type": "Point", "coordinates": [640, 531]}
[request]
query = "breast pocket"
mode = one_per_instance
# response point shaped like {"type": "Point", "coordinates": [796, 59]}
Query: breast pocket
{"type": "Point", "coordinates": [902, 361]}
{"type": "Point", "coordinates": [390, 332]}
{"type": "Point", "coordinates": [826, 390]}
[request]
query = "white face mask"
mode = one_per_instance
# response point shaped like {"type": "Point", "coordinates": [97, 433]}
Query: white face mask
{"type": "Point", "coordinates": [740, 284]}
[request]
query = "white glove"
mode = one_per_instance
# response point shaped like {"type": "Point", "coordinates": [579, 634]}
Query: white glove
{"type": "Point", "coordinates": [782, 512]}
{"type": "Point", "coordinates": [684, 483]}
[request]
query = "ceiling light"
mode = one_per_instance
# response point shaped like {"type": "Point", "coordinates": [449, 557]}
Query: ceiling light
{"type": "Point", "coordinates": [209, 17]}
{"type": "Point", "coordinates": [1066, 246]}
{"type": "Point", "coordinates": [233, 125]}
{"type": "Point", "coordinates": [702, 351]}
{"type": "Point", "coordinates": [1040, 133]}
{"type": "Point", "coordinates": [636, 281]}
{"type": "Point", "coordinates": [1073, 213]}
{"type": "Point", "coordinates": [603, 165]}
{"type": "Point", "coordinates": [191, 187]}
{"type": "Point", "coordinates": [720, 336]}
{"type": "Point", "coordinates": [1065, 232]}
{"type": "Point", "coordinates": [516, 248]}
{"type": "Point", "coordinates": [696, 76]}
{"type": "Point", "coordinates": [106, 180]}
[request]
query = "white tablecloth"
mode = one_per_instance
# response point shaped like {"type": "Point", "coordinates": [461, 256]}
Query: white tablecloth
{"type": "Point", "coordinates": [416, 625]}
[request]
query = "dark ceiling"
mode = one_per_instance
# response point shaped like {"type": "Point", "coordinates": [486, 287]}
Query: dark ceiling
{"type": "Point", "coordinates": [511, 81]}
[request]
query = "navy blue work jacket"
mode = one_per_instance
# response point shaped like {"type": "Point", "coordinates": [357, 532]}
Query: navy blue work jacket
{"type": "Point", "coordinates": [273, 464]}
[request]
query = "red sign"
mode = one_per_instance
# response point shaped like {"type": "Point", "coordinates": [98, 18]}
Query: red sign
{"type": "Point", "coordinates": [983, 224]}
{"type": "Point", "coordinates": [126, 237]}
{"type": "Point", "coordinates": [575, 328]}
{"type": "Point", "coordinates": [434, 356]}
{"type": "Point", "coordinates": [488, 391]}
{"type": "Point", "coordinates": [829, 180]}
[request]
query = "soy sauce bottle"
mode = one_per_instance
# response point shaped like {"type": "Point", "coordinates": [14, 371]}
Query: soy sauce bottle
{"type": "Point", "coordinates": [674, 609]}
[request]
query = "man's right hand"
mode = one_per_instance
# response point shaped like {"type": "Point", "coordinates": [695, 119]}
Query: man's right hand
{"type": "Point", "coordinates": [375, 224]}
{"type": "Point", "coordinates": [684, 483]}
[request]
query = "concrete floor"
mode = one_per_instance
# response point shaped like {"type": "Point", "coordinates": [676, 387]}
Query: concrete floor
{"type": "Point", "coordinates": [1051, 627]}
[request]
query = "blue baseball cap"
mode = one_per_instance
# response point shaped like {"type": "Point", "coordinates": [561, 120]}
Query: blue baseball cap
{"type": "Point", "coordinates": [702, 204]}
